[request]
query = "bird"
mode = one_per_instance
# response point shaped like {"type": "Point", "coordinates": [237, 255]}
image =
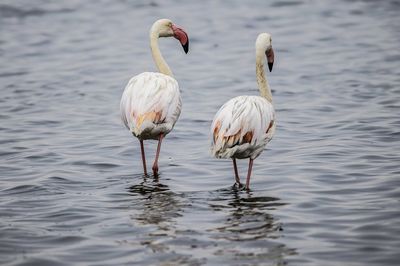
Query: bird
{"type": "Point", "coordinates": [151, 102]}
{"type": "Point", "coordinates": [244, 125]}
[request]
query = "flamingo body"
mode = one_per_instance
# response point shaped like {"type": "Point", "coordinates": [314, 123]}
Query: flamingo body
{"type": "Point", "coordinates": [150, 105]}
{"type": "Point", "coordinates": [151, 102]}
{"type": "Point", "coordinates": [242, 127]}
{"type": "Point", "coordinates": [245, 124]}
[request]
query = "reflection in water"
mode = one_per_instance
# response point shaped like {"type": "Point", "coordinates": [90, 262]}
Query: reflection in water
{"type": "Point", "coordinates": [250, 222]}
{"type": "Point", "coordinates": [247, 218]}
{"type": "Point", "coordinates": [160, 204]}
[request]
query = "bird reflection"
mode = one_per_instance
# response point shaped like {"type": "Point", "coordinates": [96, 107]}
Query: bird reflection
{"type": "Point", "coordinates": [248, 220]}
{"type": "Point", "coordinates": [160, 204]}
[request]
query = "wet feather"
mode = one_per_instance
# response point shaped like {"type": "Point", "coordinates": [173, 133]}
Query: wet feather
{"type": "Point", "coordinates": [150, 105]}
{"type": "Point", "coordinates": [242, 127]}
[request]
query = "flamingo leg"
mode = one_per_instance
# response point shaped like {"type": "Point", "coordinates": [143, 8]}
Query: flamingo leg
{"type": "Point", "coordinates": [155, 165]}
{"type": "Point", "coordinates": [249, 174]}
{"type": "Point", "coordinates": [143, 157]}
{"type": "Point", "coordinates": [236, 172]}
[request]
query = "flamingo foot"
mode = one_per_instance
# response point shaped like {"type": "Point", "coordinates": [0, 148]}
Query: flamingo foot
{"type": "Point", "coordinates": [155, 165]}
{"type": "Point", "coordinates": [143, 157]}
{"type": "Point", "coordinates": [249, 174]}
{"type": "Point", "coordinates": [155, 169]}
{"type": "Point", "coordinates": [238, 185]}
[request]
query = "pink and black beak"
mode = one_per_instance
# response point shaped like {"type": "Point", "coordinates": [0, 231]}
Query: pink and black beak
{"type": "Point", "coordinates": [183, 38]}
{"type": "Point", "coordinates": [270, 58]}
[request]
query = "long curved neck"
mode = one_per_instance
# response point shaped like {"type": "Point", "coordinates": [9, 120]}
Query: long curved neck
{"type": "Point", "coordinates": [262, 82]}
{"type": "Point", "coordinates": [155, 51]}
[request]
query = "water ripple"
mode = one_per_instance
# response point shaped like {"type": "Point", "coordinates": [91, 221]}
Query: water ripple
{"type": "Point", "coordinates": [324, 192]}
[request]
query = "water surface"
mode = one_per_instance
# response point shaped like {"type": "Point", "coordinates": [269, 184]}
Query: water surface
{"type": "Point", "coordinates": [324, 192]}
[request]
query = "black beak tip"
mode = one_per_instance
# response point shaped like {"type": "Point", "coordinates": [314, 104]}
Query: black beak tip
{"type": "Point", "coordinates": [270, 66]}
{"type": "Point", "coordinates": [186, 47]}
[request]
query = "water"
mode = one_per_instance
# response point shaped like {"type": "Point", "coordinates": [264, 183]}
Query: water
{"type": "Point", "coordinates": [325, 192]}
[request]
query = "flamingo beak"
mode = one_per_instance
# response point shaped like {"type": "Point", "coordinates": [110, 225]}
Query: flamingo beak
{"type": "Point", "coordinates": [182, 37]}
{"type": "Point", "coordinates": [270, 58]}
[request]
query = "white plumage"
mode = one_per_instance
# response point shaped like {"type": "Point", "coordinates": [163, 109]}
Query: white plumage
{"type": "Point", "coordinates": [151, 105]}
{"type": "Point", "coordinates": [151, 102]}
{"type": "Point", "coordinates": [242, 127]}
{"type": "Point", "coordinates": [245, 124]}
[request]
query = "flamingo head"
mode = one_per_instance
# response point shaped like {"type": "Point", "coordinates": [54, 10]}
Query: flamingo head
{"type": "Point", "coordinates": [264, 45]}
{"type": "Point", "coordinates": [166, 28]}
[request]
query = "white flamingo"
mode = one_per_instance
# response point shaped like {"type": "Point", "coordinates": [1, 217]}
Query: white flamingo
{"type": "Point", "coordinates": [151, 102]}
{"type": "Point", "coordinates": [245, 124]}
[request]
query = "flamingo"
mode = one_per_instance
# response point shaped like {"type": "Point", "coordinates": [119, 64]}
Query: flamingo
{"type": "Point", "coordinates": [151, 102]}
{"type": "Point", "coordinates": [245, 124]}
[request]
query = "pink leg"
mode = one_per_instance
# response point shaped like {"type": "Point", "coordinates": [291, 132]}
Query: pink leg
{"type": "Point", "coordinates": [155, 165]}
{"type": "Point", "coordinates": [249, 174]}
{"type": "Point", "coordinates": [236, 172]}
{"type": "Point", "coordinates": [143, 157]}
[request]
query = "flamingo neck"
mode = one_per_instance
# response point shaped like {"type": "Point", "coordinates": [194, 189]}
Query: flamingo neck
{"type": "Point", "coordinates": [155, 51]}
{"type": "Point", "coordinates": [262, 82]}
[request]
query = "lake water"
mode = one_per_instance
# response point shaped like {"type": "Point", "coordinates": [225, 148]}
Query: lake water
{"type": "Point", "coordinates": [326, 190]}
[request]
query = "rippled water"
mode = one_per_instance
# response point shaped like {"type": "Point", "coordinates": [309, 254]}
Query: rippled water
{"type": "Point", "coordinates": [325, 192]}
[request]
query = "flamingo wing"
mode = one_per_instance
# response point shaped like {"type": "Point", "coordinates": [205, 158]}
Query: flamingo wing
{"type": "Point", "coordinates": [242, 127]}
{"type": "Point", "coordinates": [150, 105]}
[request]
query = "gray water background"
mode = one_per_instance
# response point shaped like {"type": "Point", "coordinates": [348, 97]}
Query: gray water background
{"type": "Point", "coordinates": [324, 192]}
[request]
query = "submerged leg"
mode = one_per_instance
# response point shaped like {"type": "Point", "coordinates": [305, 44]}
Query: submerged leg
{"type": "Point", "coordinates": [249, 174]}
{"type": "Point", "coordinates": [236, 172]}
{"type": "Point", "coordinates": [155, 165]}
{"type": "Point", "coordinates": [143, 157]}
